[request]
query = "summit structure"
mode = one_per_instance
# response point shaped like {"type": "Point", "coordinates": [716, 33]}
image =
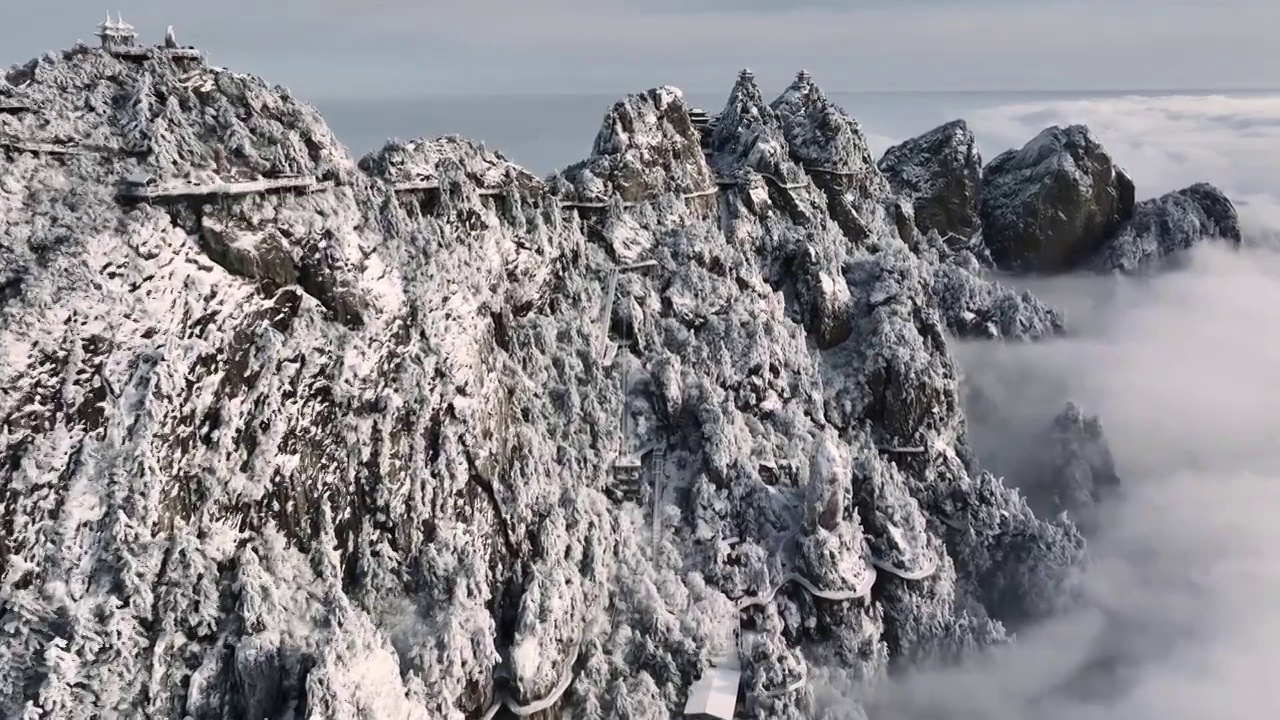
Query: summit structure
{"type": "Point", "coordinates": [117, 35]}
{"type": "Point", "coordinates": [120, 39]}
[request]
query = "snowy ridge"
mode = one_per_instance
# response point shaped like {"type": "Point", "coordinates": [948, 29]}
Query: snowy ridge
{"type": "Point", "coordinates": [749, 135]}
{"type": "Point", "coordinates": [1164, 226]}
{"type": "Point", "coordinates": [346, 454]}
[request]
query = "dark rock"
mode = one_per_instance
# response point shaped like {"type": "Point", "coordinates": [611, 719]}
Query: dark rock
{"type": "Point", "coordinates": [1051, 205]}
{"type": "Point", "coordinates": [1163, 227]}
{"type": "Point", "coordinates": [827, 297]}
{"type": "Point", "coordinates": [940, 172]}
{"type": "Point", "coordinates": [260, 256]}
{"type": "Point", "coordinates": [325, 275]}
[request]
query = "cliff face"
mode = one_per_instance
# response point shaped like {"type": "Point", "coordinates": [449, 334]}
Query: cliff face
{"type": "Point", "coordinates": [349, 450]}
{"type": "Point", "coordinates": [941, 173]}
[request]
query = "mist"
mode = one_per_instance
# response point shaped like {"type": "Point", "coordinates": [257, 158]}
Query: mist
{"type": "Point", "coordinates": [1180, 614]}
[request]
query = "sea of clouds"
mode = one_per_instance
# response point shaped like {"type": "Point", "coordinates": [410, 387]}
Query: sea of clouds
{"type": "Point", "coordinates": [1181, 618]}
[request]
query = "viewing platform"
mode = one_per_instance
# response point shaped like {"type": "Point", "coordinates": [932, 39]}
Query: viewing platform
{"type": "Point", "coordinates": [428, 183]}
{"type": "Point", "coordinates": [13, 106]}
{"type": "Point", "coordinates": [120, 39]}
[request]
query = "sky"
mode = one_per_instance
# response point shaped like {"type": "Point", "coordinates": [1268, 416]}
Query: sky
{"type": "Point", "coordinates": [399, 48]}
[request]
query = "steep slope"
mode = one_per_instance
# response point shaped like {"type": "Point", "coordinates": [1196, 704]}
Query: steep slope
{"type": "Point", "coordinates": [353, 450]}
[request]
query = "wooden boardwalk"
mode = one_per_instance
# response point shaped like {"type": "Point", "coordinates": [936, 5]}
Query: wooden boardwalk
{"type": "Point", "coordinates": [138, 191]}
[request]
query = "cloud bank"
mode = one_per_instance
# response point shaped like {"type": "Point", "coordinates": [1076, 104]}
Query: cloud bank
{"type": "Point", "coordinates": [1168, 142]}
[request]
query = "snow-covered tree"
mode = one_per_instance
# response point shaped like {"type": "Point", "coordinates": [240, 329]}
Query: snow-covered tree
{"type": "Point", "coordinates": [137, 116]}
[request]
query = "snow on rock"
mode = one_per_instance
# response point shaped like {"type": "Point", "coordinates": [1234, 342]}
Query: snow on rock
{"type": "Point", "coordinates": [350, 449]}
{"type": "Point", "coordinates": [749, 134]}
{"type": "Point", "coordinates": [646, 148]}
{"type": "Point", "coordinates": [974, 306]}
{"type": "Point", "coordinates": [829, 143]}
{"type": "Point", "coordinates": [1051, 205]}
{"type": "Point", "coordinates": [1163, 227]}
{"type": "Point", "coordinates": [823, 136]}
{"type": "Point", "coordinates": [940, 172]}
{"type": "Point", "coordinates": [437, 159]}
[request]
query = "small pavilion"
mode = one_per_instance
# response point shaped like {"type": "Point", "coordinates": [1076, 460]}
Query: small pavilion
{"type": "Point", "coordinates": [117, 34]}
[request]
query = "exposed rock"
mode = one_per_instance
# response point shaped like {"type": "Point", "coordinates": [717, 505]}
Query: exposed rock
{"type": "Point", "coordinates": [382, 489]}
{"type": "Point", "coordinates": [940, 172]}
{"type": "Point", "coordinates": [989, 310]}
{"type": "Point", "coordinates": [1051, 205]}
{"type": "Point", "coordinates": [1163, 227]}
{"type": "Point", "coordinates": [823, 137]}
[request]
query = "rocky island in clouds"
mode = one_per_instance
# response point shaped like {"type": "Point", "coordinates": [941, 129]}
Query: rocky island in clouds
{"type": "Point", "coordinates": [288, 434]}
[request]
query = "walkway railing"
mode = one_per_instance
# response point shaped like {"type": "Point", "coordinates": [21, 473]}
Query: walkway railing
{"type": "Point", "coordinates": [502, 699]}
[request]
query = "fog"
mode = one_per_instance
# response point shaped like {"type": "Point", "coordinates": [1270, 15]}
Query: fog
{"type": "Point", "coordinates": [1181, 614]}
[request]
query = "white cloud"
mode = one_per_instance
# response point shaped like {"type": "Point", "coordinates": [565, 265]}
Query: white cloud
{"type": "Point", "coordinates": [1168, 142]}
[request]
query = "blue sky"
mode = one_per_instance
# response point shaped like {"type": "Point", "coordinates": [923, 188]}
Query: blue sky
{"type": "Point", "coordinates": [341, 48]}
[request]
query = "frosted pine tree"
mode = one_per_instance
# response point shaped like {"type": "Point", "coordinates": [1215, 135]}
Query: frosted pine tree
{"type": "Point", "coordinates": [236, 137]}
{"type": "Point", "coordinates": [136, 122]}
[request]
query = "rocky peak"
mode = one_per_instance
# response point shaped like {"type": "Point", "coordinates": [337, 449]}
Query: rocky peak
{"type": "Point", "coordinates": [748, 134]}
{"type": "Point", "coordinates": [171, 118]}
{"type": "Point", "coordinates": [646, 148]}
{"type": "Point", "coordinates": [1051, 205]}
{"type": "Point", "coordinates": [824, 138]}
{"type": "Point", "coordinates": [940, 172]}
{"type": "Point", "coordinates": [830, 146]}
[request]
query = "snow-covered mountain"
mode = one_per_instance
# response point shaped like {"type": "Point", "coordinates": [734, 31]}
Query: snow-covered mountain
{"type": "Point", "coordinates": [286, 435]}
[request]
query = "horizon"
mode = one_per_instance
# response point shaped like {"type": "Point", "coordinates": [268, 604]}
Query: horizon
{"type": "Point", "coordinates": [1073, 92]}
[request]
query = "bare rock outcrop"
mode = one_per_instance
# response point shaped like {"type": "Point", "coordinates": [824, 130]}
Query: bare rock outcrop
{"type": "Point", "coordinates": [1051, 205]}
{"type": "Point", "coordinates": [940, 173]}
